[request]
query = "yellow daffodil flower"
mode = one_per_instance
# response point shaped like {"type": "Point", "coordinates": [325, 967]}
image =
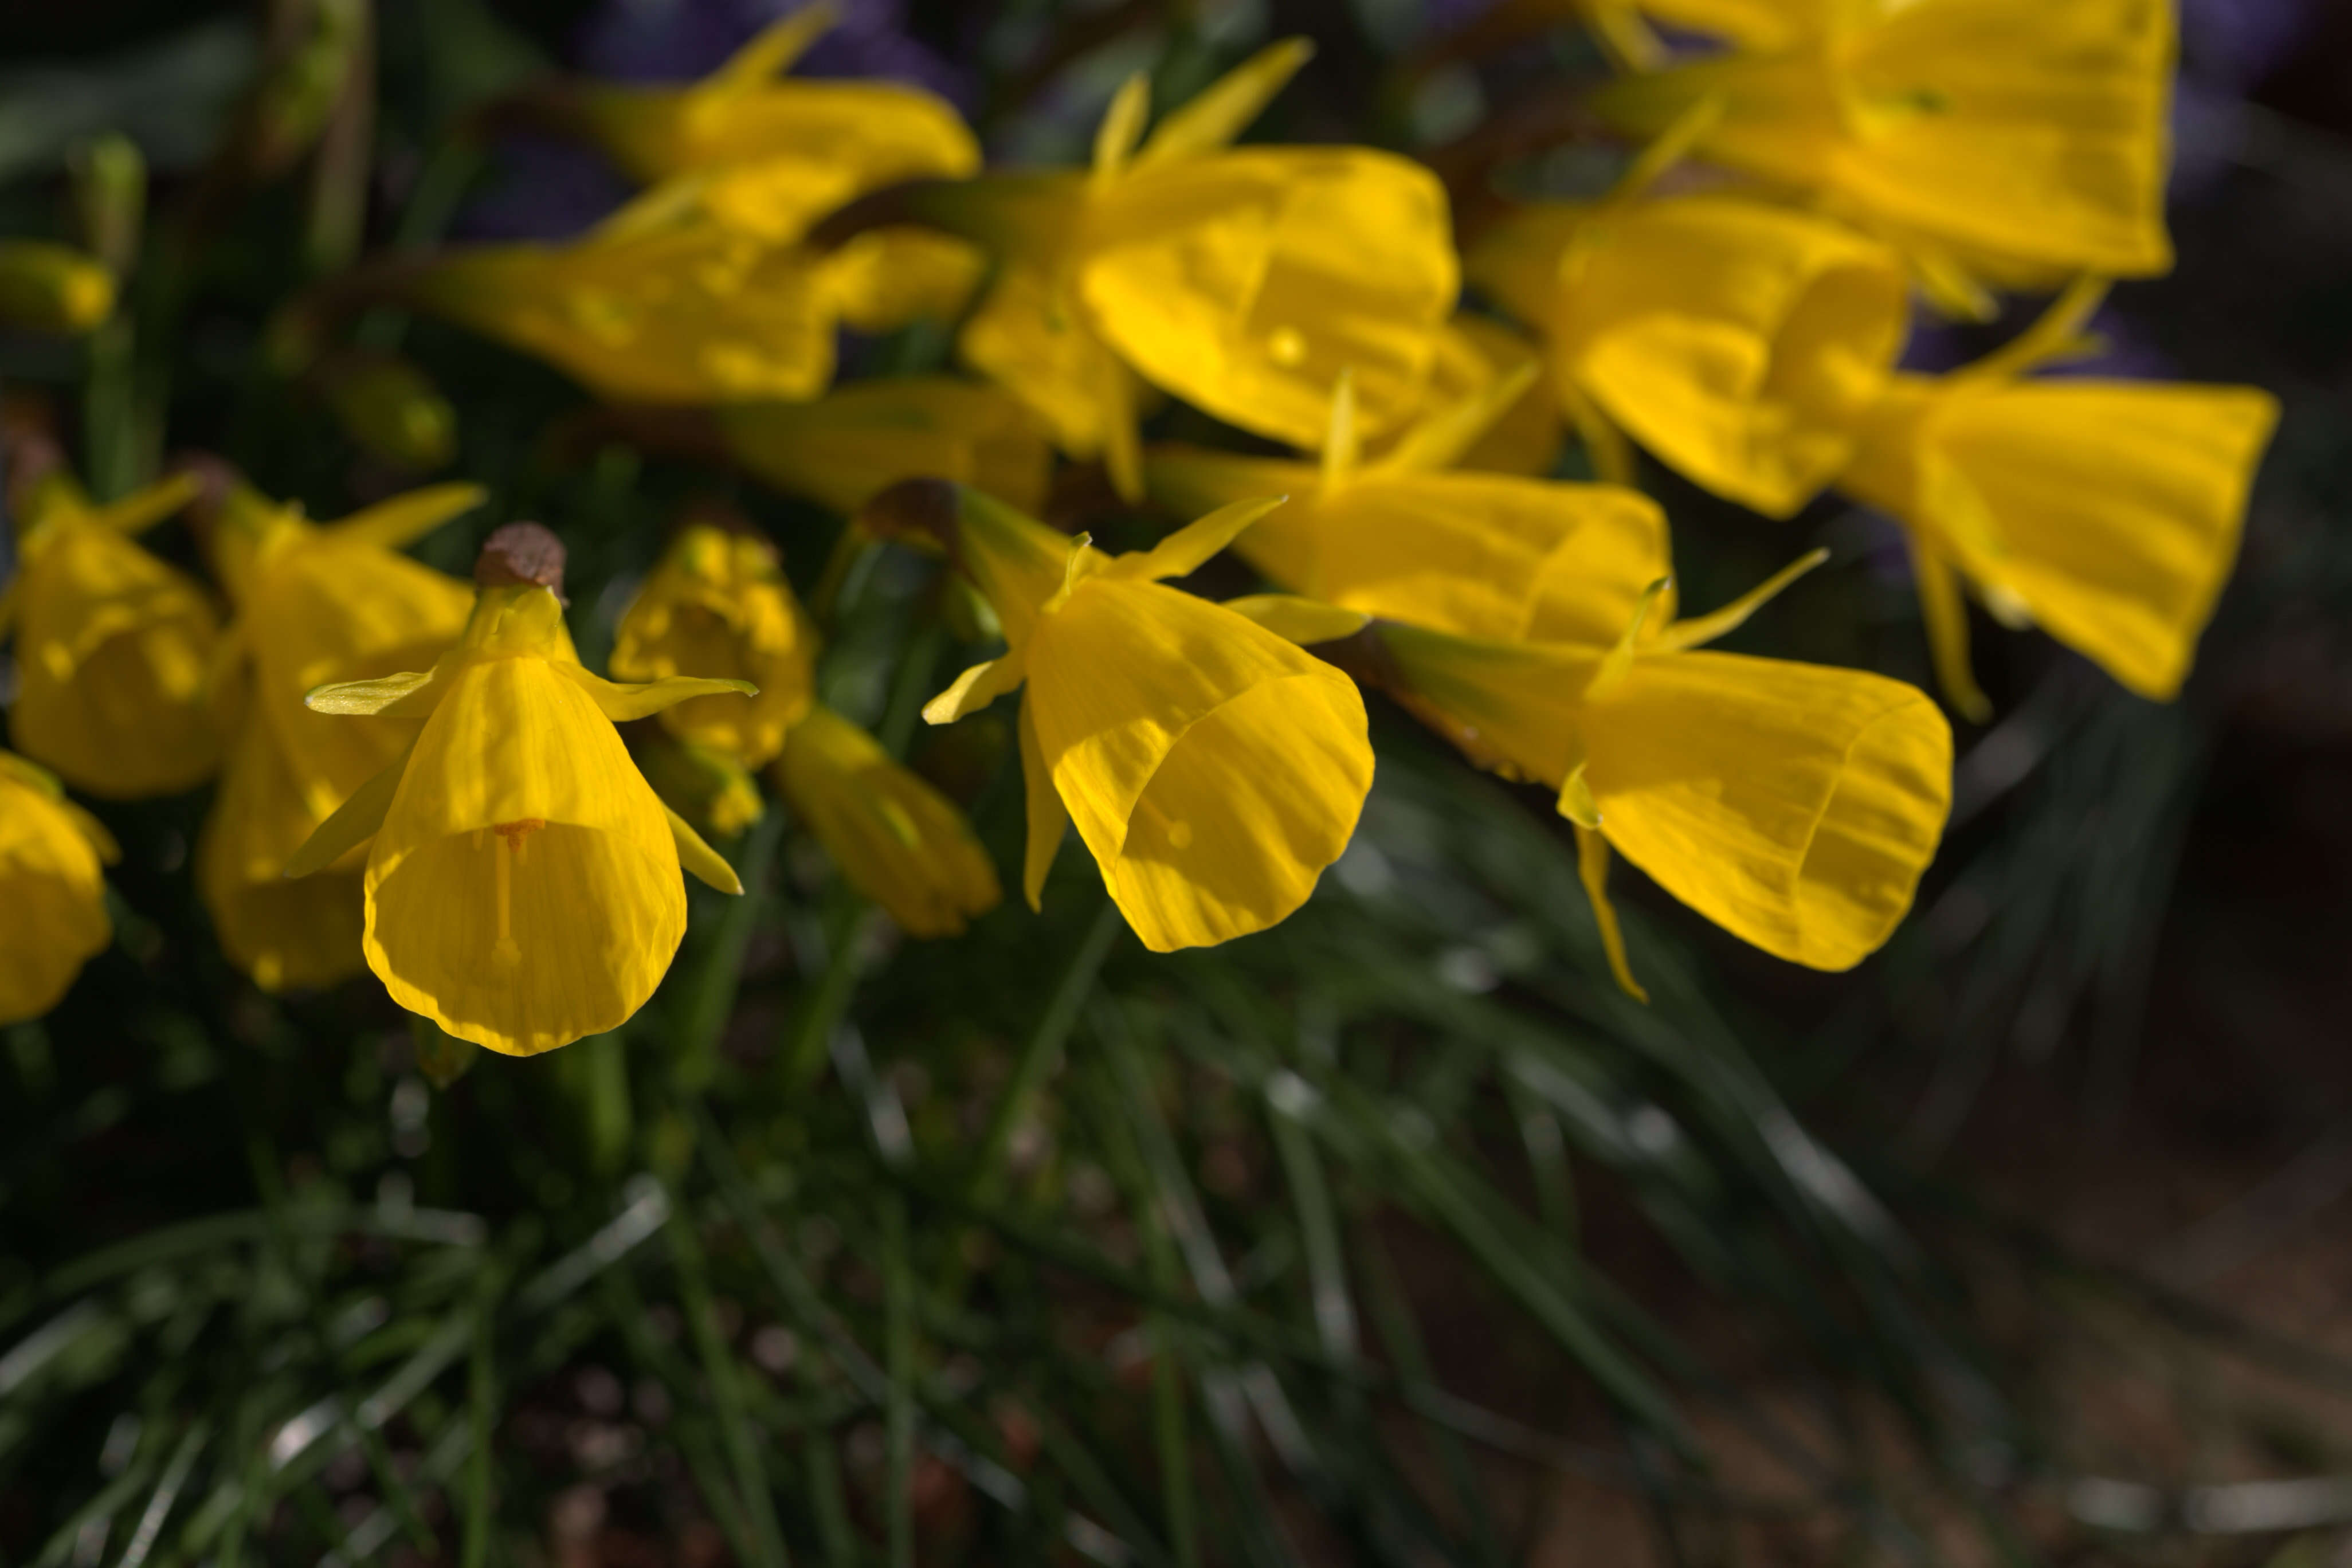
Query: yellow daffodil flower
{"type": "Point", "coordinates": [1241, 280]}
{"type": "Point", "coordinates": [1487, 555]}
{"type": "Point", "coordinates": [1740, 342]}
{"type": "Point", "coordinates": [661, 304]}
{"type": "Point", "coordinates": [1792, 805]}
{"type": "Point", "coordinates": [844, 448]}
{"type": "Point", "coordinates": [2011, 142]}
{"type": "Point", "coordinates": [747, 113]}
{"type": "Point", "coordinates": [523, 884]}
{"type": "Point", "coordinates": [899, 841]}
{"type": "Point", "coordinates": [772, 155]}
{"type": "Point", "coordinates": [52, 890]}
{"type": "Point", "coordinates": [1211, 768]}
{"type": "Point", "coordinates": [112, 645]}
{"type": "Point", "coordinates": [315, 602]}
{"type": "Point", "coordinates": [2107, 512]}
{"type": "Point", "coordinates": [719, 602]}
{"type": "Point", "coordinates": [47, 287]}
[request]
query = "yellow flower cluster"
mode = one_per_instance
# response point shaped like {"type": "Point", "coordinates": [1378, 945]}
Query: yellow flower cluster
{"type": "Point", "coordinates": [444, 780]}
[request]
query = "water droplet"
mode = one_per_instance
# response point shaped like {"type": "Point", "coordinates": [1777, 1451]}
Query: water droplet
{"type": "Point", "coordinates": [1288, 346]}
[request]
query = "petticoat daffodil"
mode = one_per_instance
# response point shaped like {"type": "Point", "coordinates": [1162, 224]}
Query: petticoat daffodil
{"type": "Point", "coordinates": [1793, 804]}
{"type": "Point", "coordinates": [2107, 512]}
{"type": "Point", "coordinates": [719, 603]}
{"type": "Point", "coordinates": [898, 840]}
{"type": "Point", "coordinates": [1740, 342]}
{"type": "Point", "coordinates": [112, 645]}
{"type": "Point", "coordinates": [1404, 537]}
{"type": "Point", "coordinates": [52, 890]}
{"type": "Point", "coordinates": [1240, 280]}
{"type": "Point", "coordinates": [1211, 768]}
{"type": "Point", "coordinates": [2003, 141]}
{"type": "Point", "coordinates": [661, 303]}
{"type": "Point", "coordinates": [315, 602]}
{"type": "Point", "coordinates": [524, 885]}
{"type": "Point", "coordinates": [773, 154]}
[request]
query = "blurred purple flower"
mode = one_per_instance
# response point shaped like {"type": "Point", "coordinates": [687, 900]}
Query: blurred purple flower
{"type": "Point", "coordinates": [676, 40]}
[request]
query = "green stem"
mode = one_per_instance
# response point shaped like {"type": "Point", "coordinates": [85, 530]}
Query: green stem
{"type": "Point", "coordinates": [804, 1062]}
{"type": "Point", "coordinates": [1037, 1058]}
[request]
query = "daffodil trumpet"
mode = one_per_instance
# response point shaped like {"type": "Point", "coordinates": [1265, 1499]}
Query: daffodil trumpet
{"type": "Point", "coordinates": [1793, 804]}
{"type": "Point", "coordinates": [522, 883]}
{"type": "Point", "coordinates": [1406, 535]}
{"type": "Point", "coordinates": [53, 917]}
{"type": "Point", "coordinates": [112, 645]}
{"type": "Point", "coordinates": [1241, 280]}
{"type": "Point", "coordinates": [1211, 768]}
{"type": "Point", "coordinates": [2107, 512]}
{"type": "Point", "coordinates": [1999, 142]}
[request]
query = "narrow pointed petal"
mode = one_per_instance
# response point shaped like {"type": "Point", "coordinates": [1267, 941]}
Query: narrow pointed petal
{"type": "Point", "coordinates": [1121, 127]}
{"type": "Point", "coordinates": [1223, 109]}
{"type": "Point", "coordinates": [135, 513]}
{"type": "Point", "coordinates": [1049, 819]}
{"type": "Point", "coordinates": [698, 859]}
{"type": "Point", "coordinates": [1945, 611]}
{"type": "Point", "coordinates": [411, 695]}
{"type": "Point", "coordinates": [774, 49]}
{"type": "Point", "coordinates": [1592, 870]}
{"type": "Point", "coordinates": [1701, 629]}
{"type": "Point", "coordinates": [621, 702]}
{"type": "Point", "coordinates": [1443, 438]}
{"type": "Point", "coordinates": [1188, 549]}
{"type": "Point", "coordinates": [974, 689]}
{"type": "Point", "coordinates": [403, 520]}
{"type": "Point", "coordinates": [1343, 443]}
{"type": "Point", "coordinates": [1305, 621]}
{"type": "Point", "coordinates": [357, 820]}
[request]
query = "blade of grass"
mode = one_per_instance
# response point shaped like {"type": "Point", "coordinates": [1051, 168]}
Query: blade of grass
{"type": "Point", "coordinates": [899, 1348]}
{"type": "Point", "coordinates": [724, 1375]}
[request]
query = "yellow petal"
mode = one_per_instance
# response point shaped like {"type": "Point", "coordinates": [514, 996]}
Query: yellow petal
{"type": "Point", "coordinates": [700, 860]}
{"type": "Point", "coordinates": [52, 898]}
{"type": "Point", "coordinates": [141, 510]}
{"type": "Point", "coordinates": [1246, 282]}
{"type": "Point", "coordinates": [1212, 768]}
{"type": "Point", "coordinates": [287, 934]}
{"type": "Point", "coordinates": [1297, 620]}
{"type": "Point", "coordinates": [975, 689]}
{"type": "Point", "coordinates": [403, 696]}
{"type": "Point", "coordinates": [2110, 510]}
{"type": "Point", "coordinates": [330, 609]}
{"type": "Point", "coordinates": [1479, 555]}
{"type": "Point", "coordinates": [844, 448]}
{"type": "Point", "coordinates": [899, 841]}
{"type": "Point", "coordinates": [113, 648]}
{"type": "Point", "coordinates": [2014, 134]}
{"type": "Point", "coordinates": [1048, 819]}
{"type": "Point", "coordinates": [526, 939]}
{"type": "Point", "coordinates": [1032, 341]}
{"type": "Point", "coordinates": [1188, 549]}
{"type": "Point", "coordinates": [354, 823]}
{"type": "Point", "coordinates": [688, 311]}
{"type": "Point", "coordinates": [1741, 343]}
{"type": "Point", "coordinates": [1223, 109]}
{"type": "Point", "coordinates": [1122, 126]}
{"type": "Point", "coordinates": [1792, 805]}
{"type": "Point", "coordinates": [1700, 629]}
{"type": "Point", "coordinates": [406, 518]}
{"type": "Point", "coordinates": [621, 701]}
{"type": "Point", "coordinates": [1592, 870]}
